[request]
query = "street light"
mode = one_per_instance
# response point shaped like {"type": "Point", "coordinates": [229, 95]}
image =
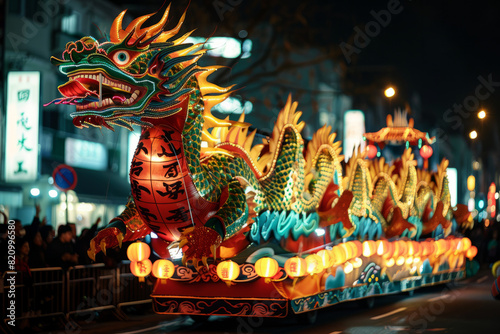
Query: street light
{"type": "Point", "coordinates": [481, 114]}
{"type": "Point", "coordinates": [473, 134]}
{"type": "Point", "coordinates": [390, 92]}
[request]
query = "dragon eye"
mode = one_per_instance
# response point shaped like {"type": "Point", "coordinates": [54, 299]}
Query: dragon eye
{"type": "Point", "coordinates": [121, 57]}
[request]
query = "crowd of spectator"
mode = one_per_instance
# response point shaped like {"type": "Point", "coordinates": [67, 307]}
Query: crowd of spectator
{"type": "Point", "coordinates": [38, 245]}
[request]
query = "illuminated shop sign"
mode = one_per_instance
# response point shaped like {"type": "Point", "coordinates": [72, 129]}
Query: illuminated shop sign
{"type": "Point", "coordinates": [21, 143]}
{"type": "Point", "coordinates": [85, 154]}
{"type": "Point", "coordinates": [354, 128]}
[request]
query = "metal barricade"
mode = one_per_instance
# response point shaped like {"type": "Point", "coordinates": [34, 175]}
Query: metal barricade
{"type": "Point", "coordinates": [131, 291]}
{"type": "Point", "coordinates": [90, 288]}
{"type": "Point", "coordinates": [37, 295]}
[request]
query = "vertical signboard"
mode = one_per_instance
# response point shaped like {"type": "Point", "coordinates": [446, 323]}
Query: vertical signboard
{"type": "Point", "coordinates": [452, 175]}
{"type": "Point", "coordinates": [21, 142]}
{"type": "Point", "coordinates": [354, 128]}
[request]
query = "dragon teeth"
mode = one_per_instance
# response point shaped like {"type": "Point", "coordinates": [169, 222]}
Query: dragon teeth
{"type": "Point", "coordinates": [105, 81]}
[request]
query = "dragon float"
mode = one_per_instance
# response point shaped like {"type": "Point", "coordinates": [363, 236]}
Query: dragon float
{"type": "Point", "coordinates": [289, 229]}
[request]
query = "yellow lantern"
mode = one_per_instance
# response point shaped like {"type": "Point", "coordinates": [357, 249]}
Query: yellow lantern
{"type": "Point", "coordinates": [327, 258]}
{"type": "Point", "coordinates": [369, 248]}
{"type": "Point", "coordinates": [138, 251]}
{"type": "Point", "coordinates": [400, 261]}
{"type": "Point", "coordinates": [471, 183]}
{"type": "Point", "coordinates": [441, 247]}
{"type": "Point", "coordinates": [390, 262]}
{"type": "Point", "coordinates": [163, 269]}
{"type": "Point", "coordinates": [471, 252]}
{"type": "Point", "coordinates": [466, 243]}
{"type": "Point", "coordinates": [228, 270]}
{"type": "Point", "coordinates": [339, 254]}
{"type": "Point", "coordinates": [314, 264]}
{"type": "Point", "coordinates": [357, 262]}
{"type": "Point", "coordinates": [266, 267]}
{"type": "Point", "coordinates": [357, 247]}
{"type": "Point", "coordinates": [295, 267]}
{"type": "Point", "coordinates": [348, 267]}
{"type": "Point", "coordinates": [141, 269]}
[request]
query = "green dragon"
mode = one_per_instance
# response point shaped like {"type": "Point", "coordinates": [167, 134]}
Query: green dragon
{"type": "Point", "coordinates": [199, 182]}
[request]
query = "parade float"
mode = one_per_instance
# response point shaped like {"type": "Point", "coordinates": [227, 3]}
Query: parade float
{"type": "Point", "coordinates": [267, 229]}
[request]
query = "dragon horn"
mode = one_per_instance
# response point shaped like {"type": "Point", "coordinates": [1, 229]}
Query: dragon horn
{"type": "Point", "coordinates": [102, 244]}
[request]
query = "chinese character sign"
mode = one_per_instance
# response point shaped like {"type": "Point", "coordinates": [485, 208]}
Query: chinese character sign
{"type": "Point", "coordinates": [23, 107]}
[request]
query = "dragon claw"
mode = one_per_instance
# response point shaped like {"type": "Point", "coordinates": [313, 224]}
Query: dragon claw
{"type": "Point", "coordinates": [102, 245]}
{"type": "Point", "coordinates": [201, 241]}
{"type": "Point", "coordinates": [204, 261]}
{"type": "Point", "coordinates": [119, 237]}
{"type": "Point", "coordinates": [91, 251]}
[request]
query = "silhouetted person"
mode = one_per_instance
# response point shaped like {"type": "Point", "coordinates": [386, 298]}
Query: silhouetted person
{"type": "Point", "coordinates": [61, 253]}
{"type": "Point", "coordinates": [37, 252]}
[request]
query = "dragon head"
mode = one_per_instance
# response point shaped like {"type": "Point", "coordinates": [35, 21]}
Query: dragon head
{"type": "Point", "coordinates": [139, 74]}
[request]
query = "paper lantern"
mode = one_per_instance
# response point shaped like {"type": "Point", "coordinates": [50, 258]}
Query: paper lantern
{"type": "Point", "coordinates": [339, 254]}
{"type": "Point", "coordinates": [400, 260]}
{"type": "Point", "coordinates": [138, 251]}
{"type": "Point", "coordinates": [357, 262]}
{"type": "Point", "coordinates": [382, 247]}
{"type": "Point", "coordinates": [357, 248]}
{"type": "Point", "coordinates": [163, 269]}
{"type": "Point", "coordinates": [158, 183]}
{"type": "Point", "coordinates": [266, 267]}
{"type": "Point", "coordinates": [141, 269]}
{"type": "Point", "coordinates": [369, 248]}
{"type": "Point", "coordinates": [295, 267]}
{"type": "Point", "coordinates": [371, 151]}
{"type": "Point", "coordinates": [400, 249]}
{"type": "Point", "coordinates": [228, 270]}
{"type": "Point", "coordinates": [441, 247]}
{"type": "Point", "coordinates": [349, 252]}
{"type": "Point", "coordinates": [427, 248]}
{"type": "Point", "coordinates": [327, 258]}
{"type": "Point", "coordinates": [471, 252]}
{"type": "Point", "coordinates": [413, 248]}
{"type": "Point", "coordinates": [348, 267]}
{"type": "Point", "coordinates": [466, 243]}
{"type": "Point", "coordinates": [471, 183]}
{"type": "Point", "coordinates": [390, 262]}
{"type": "Point", "coordinates": [314, 264]}
{"type": "Point", "coordinates": [426, 151]}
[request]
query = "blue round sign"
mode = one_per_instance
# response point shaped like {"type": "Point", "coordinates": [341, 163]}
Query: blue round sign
{"type": "Point", "coordinates": [64, 177]}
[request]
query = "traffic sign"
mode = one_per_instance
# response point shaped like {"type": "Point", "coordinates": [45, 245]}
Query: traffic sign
{"type": "Point", "coordinates": [64, 178]}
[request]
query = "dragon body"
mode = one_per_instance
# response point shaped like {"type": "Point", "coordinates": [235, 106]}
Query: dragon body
{"type": "Point", "coordinates": [200, 182]}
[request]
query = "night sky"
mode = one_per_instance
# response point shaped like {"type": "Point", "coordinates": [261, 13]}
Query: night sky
{"type": "Point", "coordinates": [432, 51]}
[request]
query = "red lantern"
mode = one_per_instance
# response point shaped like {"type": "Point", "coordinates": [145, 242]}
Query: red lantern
{"type": "Point", "coordinates": [371, 151]}
{"type": "Point", "coordinates": [426, 151]}
{"type": "Point", "coordinates": [138, 251]}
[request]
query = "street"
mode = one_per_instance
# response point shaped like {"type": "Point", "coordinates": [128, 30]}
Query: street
{"type": "Point", "coordinates": [463, 307]}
